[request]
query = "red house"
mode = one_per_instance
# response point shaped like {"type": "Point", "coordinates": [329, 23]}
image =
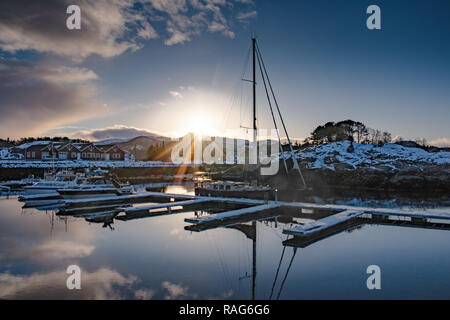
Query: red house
{"type": "Point", "coordinates": [44, 151]}
{"type": "Point", "coordinates": [113, 152]}
{"type": "Point", "coordinates": [74, 151]}
{"type": "Point", "coordinates": [91, 152]}
{"type": "Point", "coordinates": [69, 151]}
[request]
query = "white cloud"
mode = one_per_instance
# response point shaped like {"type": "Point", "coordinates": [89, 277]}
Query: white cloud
{"type": "Point", "coordinates": [99, 285]}
{"type": "Point", "coordinates": [110, 27]}
{"type": "Point", "coordinates": [176, 291]}
{"type": "Point", "coordinates": [115, 132]}
{"type": "Point", "coordinates": [246, 15]}
{"type": "Point", "coordinates": [63, 250]}
{"type": "Point", "coordinates": [176, 94]}
{"type": "Point", "coordinates": [441, 142]}
{"type": "Point", "coordinates": [41, 96]}
{"type": "Point", "coordinates": [144, 294]}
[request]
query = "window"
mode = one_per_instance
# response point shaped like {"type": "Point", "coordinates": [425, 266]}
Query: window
{"type": "Point", "coordinates": [28, 154]}
{"type": "Point", "coordinates": [33, 154]}
{"type": "Point", "coordinates": [74, 155]}
{"type": "Point", "coordinates": [62, 155]}
{"type": "Point", "coordinates": [116, 155]}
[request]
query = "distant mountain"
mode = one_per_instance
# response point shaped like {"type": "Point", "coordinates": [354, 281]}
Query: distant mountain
{"type": "Point", "coordinates": [139, 146]}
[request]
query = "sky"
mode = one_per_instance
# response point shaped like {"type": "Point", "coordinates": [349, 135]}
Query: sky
{"type": "Point", "coordinates": [175, 66]}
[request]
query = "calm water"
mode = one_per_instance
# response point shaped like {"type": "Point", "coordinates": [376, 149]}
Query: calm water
{"type": "Point", "coordinates": [157, 258]}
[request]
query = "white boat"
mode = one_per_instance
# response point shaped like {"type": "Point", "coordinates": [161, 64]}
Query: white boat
{"type": "Point", "coordinates": [18, 184]}
{"type": "Point", "coordinates": [92, 187]}
{"type": "Point", "coordinates": [96, 187]}
{"type": "Point", "coordinates": [42, 199]}
{"type": "Point", "coordinates": [51, 183]}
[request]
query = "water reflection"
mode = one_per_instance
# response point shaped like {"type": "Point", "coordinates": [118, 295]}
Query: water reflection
{"type": "Point", "coordinates": [157, 255]}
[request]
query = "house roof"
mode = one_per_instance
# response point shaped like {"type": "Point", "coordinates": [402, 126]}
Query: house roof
{"type": "Point", "coordinates": [69, 147]}
{"type": "Point", "coordinates": [90, 147]}
{"type": "Point", "coordinates": [37, 147]}
{"type": "Point", "coordinates": [109, 147]}
{"type": "Point", "coordinates": [78, 147]}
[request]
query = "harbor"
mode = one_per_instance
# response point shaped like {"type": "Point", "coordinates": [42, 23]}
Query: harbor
{"type": "Point", "coordinates": [234, 150]}
{"type": "Point", "coordinates": [217, 238]}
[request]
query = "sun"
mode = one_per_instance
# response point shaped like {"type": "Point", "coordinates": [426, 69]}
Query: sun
{"type": "Point", "coordinates": [201, 125]}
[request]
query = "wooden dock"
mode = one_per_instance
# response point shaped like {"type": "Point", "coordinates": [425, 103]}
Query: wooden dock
{"type": "Point", "coordinates": [332, 216]}
{"type": "Point", "coordinates": [233, 213]}
{"type": "Point", "coordinates": [324, 223]}
{"type": "Point", "coordinates": [183, 204]}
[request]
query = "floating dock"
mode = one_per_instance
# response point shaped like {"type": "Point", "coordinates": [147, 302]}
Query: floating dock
{"type": "Point", "coordinates": [233, 213]}
{"type": "Point", "coordinates": [325, 223]}
{"type": "Point", "coordinates": [331, 216]}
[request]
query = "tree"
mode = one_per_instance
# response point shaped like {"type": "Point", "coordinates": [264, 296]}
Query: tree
{"type": "Point", "coordinates": [350, 130]}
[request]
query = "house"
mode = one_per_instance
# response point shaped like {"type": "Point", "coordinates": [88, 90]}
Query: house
{"type": "Point", "coordinates": [73, 151]}
{"type": "Point", "coordinates": [113, 152]}
{"type": "Point", "coordinates": [69, 151]}
{"type": "Point", "coordinates": [92, 152]}
{"type": "Point", "coordinates": [38, 151]}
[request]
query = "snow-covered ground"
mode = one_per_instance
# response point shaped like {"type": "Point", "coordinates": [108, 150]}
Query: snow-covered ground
{"type": "Point", "coordinates": [5, 154]}
{"type": "Point", "coordinates": [389, 155]}
{"type": "Point", "coordinates": [83, 164]}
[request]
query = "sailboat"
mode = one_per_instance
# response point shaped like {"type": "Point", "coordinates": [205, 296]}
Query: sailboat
{"type": "Point", "coordinates": [293, 182]}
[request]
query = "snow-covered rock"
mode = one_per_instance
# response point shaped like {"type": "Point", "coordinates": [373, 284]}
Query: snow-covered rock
{"type": "Point", "coordinates": [388, 156]}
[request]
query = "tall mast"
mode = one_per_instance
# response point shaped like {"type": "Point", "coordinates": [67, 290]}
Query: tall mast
{"type": "Point", "coordinates": [254, 88]}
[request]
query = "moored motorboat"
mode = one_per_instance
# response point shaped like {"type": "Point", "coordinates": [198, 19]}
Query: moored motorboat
{"type": "Point", "coordinates": [96, 187]}
{"type": "Point", "coordinates": [231, 189]}
{"type": "Point", "coordinates": [51, 183]}
{"type": "Point", "coordinates": [34, 200]}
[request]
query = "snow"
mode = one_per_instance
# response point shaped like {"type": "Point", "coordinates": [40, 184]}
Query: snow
{"type": "Point", "coordinates": [6, 154]}
{"type": "Point", "coordinates": [368, 155]}
{"type": "Point", "coordinates": [83, 164]}
{"type": "Point", "coordinates": [233, 213]}
{"type": "Point", "coordinates": [389, 156]}
{"type": "Point", "coordinates": [27, 145]}
{"type": "Point", "coordinates": [165, 205]}
{"type": "Point", "coordinates": [110, 141]}
{"type": "Point", "coordinates": [324, 223]}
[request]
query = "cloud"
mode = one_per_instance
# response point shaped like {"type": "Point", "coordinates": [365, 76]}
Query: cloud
{"type": "Point", "coordinates": [99, 285]}
{"type": "Point", "coordinates": [243, 16]}
{"type": "Point", "coordinates": [441, 142]}
{"type": "Point", "coordinates": [109, 27]}
{"type": "Point", "coordinates": [176, 291]}
{"type": "Point", "coordinates": [38, 96]}
{"type": "Point", "coordinates": [114, 132]}
{"type": "Point", "coordinates": [63, 250]}
{"type": "Point", "coordinates": [144, 294]}
{"type": "Point", "coordinates": [176, 94]}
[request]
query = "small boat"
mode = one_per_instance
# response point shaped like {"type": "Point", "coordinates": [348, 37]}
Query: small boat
{"type": "Point", "coordinates": [18, 184]}
{"type": "Point", "coordinates": [51, 183]}
{"type": "Point", "coordinates": [85, 187]}
{"type": "Point", "coordinates": [42, 199]}
{"type": "Point", "coordinates": [95, 187]}
{"type": "Point", "coordinates": [232, 189]}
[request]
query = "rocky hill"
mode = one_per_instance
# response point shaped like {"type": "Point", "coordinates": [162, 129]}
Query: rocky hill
{"type": "Point", "coordinates": [138, 146]}
{"type": "Point", "coordinates": [387, 166]}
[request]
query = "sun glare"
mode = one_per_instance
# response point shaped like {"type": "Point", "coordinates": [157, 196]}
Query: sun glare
{"type": "Point", "coordinates": [201, 124]}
